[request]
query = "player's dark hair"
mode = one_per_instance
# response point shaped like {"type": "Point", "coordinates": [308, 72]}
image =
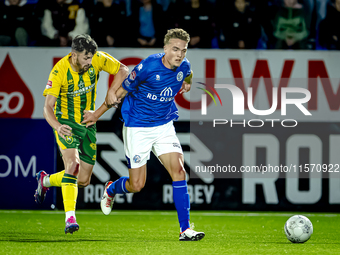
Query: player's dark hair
{"type": "Point", "coordinates": [177, 33]}
{"type": "Point", "coordinates": [84, 42]}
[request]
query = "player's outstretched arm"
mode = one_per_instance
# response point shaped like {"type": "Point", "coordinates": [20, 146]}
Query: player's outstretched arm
{"type": "Point", "coordinates": [52, 120]}
{"type": "Point", "coordinates": [91, 117]}
{"type": "Point", "coordinates": [111, 98]}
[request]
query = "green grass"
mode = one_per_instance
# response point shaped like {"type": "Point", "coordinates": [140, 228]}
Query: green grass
{"type": "Point", "coordinates": [156, 232]}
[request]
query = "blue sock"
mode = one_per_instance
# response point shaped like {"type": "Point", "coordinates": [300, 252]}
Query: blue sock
{"type": "Point", "coordinates": [182, 203]}
{"type": "Point", "coordinates": [118, 187]}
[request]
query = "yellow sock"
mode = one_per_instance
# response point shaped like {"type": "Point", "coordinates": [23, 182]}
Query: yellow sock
{"type": "Point", "coordinates": [69, 189]}
{"type": "Point", "coordinates": [55, 179]}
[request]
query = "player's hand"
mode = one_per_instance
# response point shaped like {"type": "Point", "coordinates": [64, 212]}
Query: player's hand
{"type": "Point", "coordinates": [185, 87]}
{"type": "Point", "coordinates": [112, 100]}
{"type": "Point", "coordinates": [64, 130]}
{"type": "Point", "coordinates": [89, 118]}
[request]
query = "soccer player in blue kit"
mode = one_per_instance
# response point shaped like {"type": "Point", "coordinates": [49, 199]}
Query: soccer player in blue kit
{"type": "Point", "coordinates": [148, 112]}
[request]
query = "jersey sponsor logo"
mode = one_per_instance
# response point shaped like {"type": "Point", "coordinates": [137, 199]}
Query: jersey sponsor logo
{"type": "Point", "coordinates": [82, 91]}
{"type": "Point", "coordinates": [127, 83]}
{"type": "Point", "coordinates": [81, 84]}
{"type": "Point", "coordinates": [140, 67]}
{"type": "Point", "coordinates": [158, 77]}
{"type": "Point", "coordinates": [49, 84]}
{"type": "Point", "coordinates": [166, 92]}
{"type": "Point", "coordinates": [133, 75]}
{"type": "Point", "coordinates": [136, 159]}
{"type": "Point", "coordinates": [180, 76]}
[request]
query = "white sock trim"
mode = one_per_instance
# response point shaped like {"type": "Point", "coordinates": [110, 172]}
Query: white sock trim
{"type": "Point", "coordinates": [69, 214]}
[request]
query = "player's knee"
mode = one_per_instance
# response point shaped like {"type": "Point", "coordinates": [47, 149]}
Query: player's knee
{"type": "Point", "coordinates": [83, 184]}
{"type": "Point", "coordinates": [178, 174]}
{"type": "Point", "coordinates": [83, 181]}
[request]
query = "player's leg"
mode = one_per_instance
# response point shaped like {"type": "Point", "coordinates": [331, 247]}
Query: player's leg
{"type": "Point", "coordinates": [174, 164]}
{"type": "Point", "coordinates": [169, 152]}
{"type": "Point", "coordinates": [87, 150]}
{"type": "Point", "coordinates": [54, 180]}
{"type": "Point", "coordinates": [132, 184]}
{"type": "Point", "coordinates": [137, 146]}
{"type": "Point", "coordinates": [69, 187]}
{"type": "Point", "coordinates": [87, 154]}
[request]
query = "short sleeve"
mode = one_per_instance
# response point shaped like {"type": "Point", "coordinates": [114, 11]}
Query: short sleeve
{"type": "Point", "coordinates": [136, 77]}
{"type": "Point", "coordinates": [54, 83]}
{"type": "Point", "coordinates": [105, 62]}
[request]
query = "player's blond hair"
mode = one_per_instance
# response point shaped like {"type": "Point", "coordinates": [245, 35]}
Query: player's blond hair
{"type": "Point", "coordinates": [177, 33]}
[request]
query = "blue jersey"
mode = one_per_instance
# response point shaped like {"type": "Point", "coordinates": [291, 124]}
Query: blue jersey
{"type": "Point", "coordinates": [152, 88]}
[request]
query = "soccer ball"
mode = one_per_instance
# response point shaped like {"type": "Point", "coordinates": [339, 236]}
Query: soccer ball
{"type": "Point", "coordinates": [298, 229]}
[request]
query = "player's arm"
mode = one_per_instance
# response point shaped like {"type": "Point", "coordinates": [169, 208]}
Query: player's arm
{"type": "Point", "coordinates": [91, 117]}
{"type": "Point", "coordinates": [52, 120]}
{"type": "Point", "coordinates": [186, 86]}
{"type": "Point", "coordinates": [111, 99]}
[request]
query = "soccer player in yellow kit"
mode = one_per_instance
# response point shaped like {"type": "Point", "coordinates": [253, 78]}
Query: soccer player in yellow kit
{"type": "Point", "coordinates": [70, 93]}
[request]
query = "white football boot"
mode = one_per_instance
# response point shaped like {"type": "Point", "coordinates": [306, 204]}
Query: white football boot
{"type": "Point", "coordinates": [107, 201]}
{"type": "Point", "coordinates": [191, 235]}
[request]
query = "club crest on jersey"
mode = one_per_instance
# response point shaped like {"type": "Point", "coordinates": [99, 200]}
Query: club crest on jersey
{"type": "Point", "coordinates": [140, 67]}
{"type": "Point", "coordinates": [180, 76]}
{"type": "Point", "coordinates": [49, 84]}
{"type": "Point", "coordinates": [133, 75]}
{"type": "Point", "coordinates": [68, 139]}
{"type": "Point", "coordinates": [158, 77]}
{"type": "Point", "coordinates": [91, 72]}
{"type": "Point", "coordinates": [136, 159]}
{"type": "Point", "coordinates": [93, 146]}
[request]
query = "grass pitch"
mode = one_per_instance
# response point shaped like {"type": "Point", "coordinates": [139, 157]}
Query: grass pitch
{"type": "Point", "coordinates": [156, 232]}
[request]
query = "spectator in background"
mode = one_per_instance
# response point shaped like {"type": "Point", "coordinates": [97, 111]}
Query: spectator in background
{"type": "Point", "coordinates": [329, 32]}
{"type": "Point", "coordinates": [196, 19]}
{"type": "Point", "coordinates": [173, 14]}
{"type": "Point", "coordinates": [316, 9]}
{"type": "Point", "coordinates": [290, 26]}
{"type": "Point", "coordinates": [238, 26]}
{"type": "Point", "coordinates": [107, 19]}
{"type": "Point", "coordinates": [62, 21]}
{"type": "Point", "coordinates": [148, 22]}
{"type": "Point", "coordinates": [17, 22]}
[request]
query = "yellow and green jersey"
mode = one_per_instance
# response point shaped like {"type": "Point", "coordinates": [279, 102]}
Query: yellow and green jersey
{"type": "Point", "coordinates": [77, 92]}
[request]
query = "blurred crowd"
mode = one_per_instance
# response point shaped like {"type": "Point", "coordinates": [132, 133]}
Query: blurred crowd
{"type": "Point", "coordinates": [231, 24]}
